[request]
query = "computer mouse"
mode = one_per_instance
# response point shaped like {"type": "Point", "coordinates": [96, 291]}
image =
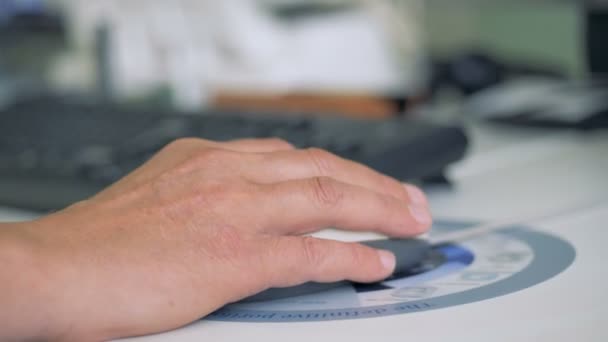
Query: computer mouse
{"type": "Point", "coordinates": [408, 254]}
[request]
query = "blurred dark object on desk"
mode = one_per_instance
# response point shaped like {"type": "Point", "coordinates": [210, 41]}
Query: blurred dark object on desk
{"type": "Point", "coordinates": [596, 19]}
{"type": "Point", "coordinates": [54, 152]}
{"type": "Point", "coordinates": [475, 70]}
{"type": "Point", "coordinates": [26, 29]}
{"type": "Point", "coordinates": [547, 102]}
{"type": "Point", "coordinates": [542, 102]}
{"type": "Point", "coordinates": [22, 17]}
{"type": "Point", "coordinates": [31, 35]}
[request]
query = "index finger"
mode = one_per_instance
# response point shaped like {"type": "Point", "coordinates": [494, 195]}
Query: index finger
{"type": "Point", "coordinates": [306, 205]}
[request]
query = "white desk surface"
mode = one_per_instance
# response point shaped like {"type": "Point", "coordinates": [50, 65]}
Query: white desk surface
{"type": "Point", "coordinates": [508, 173]}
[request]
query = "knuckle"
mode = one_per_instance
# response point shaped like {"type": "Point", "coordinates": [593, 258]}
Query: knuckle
{"type": "Point", "coordinates": [325, 192]}
{"type": "Point", "coordinates": [312, 252]}
{"type": "Point", "coordinates": [322, 160]}
{"type": "Point", "coordinates": [358, 254]}
{"type": "Point", "coordinates": [280, 143]}
{"type": "Point", "coordinates": [200, 158]}
{"type": "Point", "coordinates": [181, 143]}
{"type": "Point", "coordinates": [186, 147]}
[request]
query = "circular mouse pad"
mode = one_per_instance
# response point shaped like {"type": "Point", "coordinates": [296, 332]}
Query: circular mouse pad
{"type": "Point", "coordinates": [483, 267]}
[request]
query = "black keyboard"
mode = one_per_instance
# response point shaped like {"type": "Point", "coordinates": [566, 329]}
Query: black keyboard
{"type": "Point", "coordinates": [53, 153]}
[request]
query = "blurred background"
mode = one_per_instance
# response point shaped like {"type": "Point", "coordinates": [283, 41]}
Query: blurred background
{"type": "Point", "coordinates": [200, 53]}
{"type": "Point", "coordinates": [412, 65]}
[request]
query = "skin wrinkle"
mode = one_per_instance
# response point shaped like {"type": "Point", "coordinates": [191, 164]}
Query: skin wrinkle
{"type": "Point", "coordinates": [320, 160]}
{"type": "Point", "coordinates": [313, 255]}
{"type": "Point", "coordinates": [325, 194]}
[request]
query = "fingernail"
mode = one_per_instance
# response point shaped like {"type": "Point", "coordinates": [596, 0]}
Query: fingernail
{"type": "Point", "coordinates": [388, 259]}
{"type": "Point", "coordinates": [421, 214]}
{"type": "Point", "coordinates": [415, 194]}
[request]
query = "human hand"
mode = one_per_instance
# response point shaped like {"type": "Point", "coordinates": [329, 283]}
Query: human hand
{"type": "Point", "coordinates": [203, 224]}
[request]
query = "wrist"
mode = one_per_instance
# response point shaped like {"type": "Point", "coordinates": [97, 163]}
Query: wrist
{"type": "Point", "coordinates": [37, 282]}
{"type": "Point", "coordinates": [23, 286]}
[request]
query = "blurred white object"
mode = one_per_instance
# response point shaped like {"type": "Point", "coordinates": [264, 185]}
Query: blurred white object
{"type": "Point", "coordinates": [198, 47]}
